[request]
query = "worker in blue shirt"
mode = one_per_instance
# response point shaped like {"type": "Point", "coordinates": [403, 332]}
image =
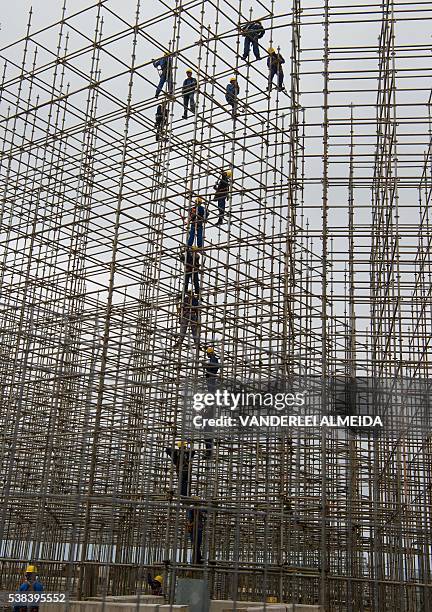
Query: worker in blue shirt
{"type": "Point", "coordinates": [31, 584]}
{"type": "Point", "coordinates": [164, 65]}
{"type": "Point", "coordinates": [274, 63]}
{"type": "Point", "coordinates": [188, 91]}
{"type": "Point", "coordinates": [161, 121]}
{"type": "Point", "coordinates": [231, 94]}
{"type": "Point", "coordinates": [252, 32]}
{"type": "Point", "coordinates": [198, 215]}
{"type": "Point", "coordinates": [155, 584]}
{"type": "Point", "coordinates": [221, 195]}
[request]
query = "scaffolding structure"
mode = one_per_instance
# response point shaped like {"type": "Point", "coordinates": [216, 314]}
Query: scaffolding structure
{"type": "Point", "coordinates": [321, 273]}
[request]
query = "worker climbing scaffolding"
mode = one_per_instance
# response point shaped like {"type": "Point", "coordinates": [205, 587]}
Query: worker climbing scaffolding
{"type": "Point", "coordinates": [188, 90]}
{"type": "Point", "coordinates": [274, 64]}
{"type": "Point", "coordinates": [182, 459]}
{"type": "Point", "coordinates": [164, 66]}
{"type": "Point", "coordinates": [222, 191]}
{"type": "Point", "coordinates": [196, 520]}
{"type": "Point", "coordinates": [189, 316]}
{"type": "Point", "coordinates": [252, 32]}
{"type": "Point", "coordinates": [231, 95]}
{"type": "Point", "coordinates": [191, 259]}
{"type": "Point", "coordinates": [211, 370]}
{"type": "Point", "coordinates": [198, 215]}
{"type": "Point", "coordinates": [161, 120]}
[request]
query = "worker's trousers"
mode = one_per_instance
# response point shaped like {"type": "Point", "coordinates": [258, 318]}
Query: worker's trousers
{"type": "Point", "coordinates": [164, 79]}
{"type": "Point", "coordinates": [184, 324]}
{"type": "Point", "coordinates": [189, 100]}
{"type": "Point", "coordinates": [196, 228]}
{"type": "Point", "coordinates": [196, 536]}
{"type": "Point", "coordinates": [232, 101]}
{"type": "Point", "coordinates": [255, 46]}
{"type": "Point", "coordinates": [221, 206]}
{"type": "Point", "coordinates": [159, 129]}
{"type": "Point", "coordinates": [188, 279]}
{"type": "Point", "coordinates": [184, 482]}
{"type": "Point", "coordinates": [280, 74]}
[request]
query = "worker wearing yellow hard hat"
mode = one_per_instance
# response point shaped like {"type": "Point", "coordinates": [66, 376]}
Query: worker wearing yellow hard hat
{"type": "Point", "coordinates": [252, 32]}
{"type": "Point", "coordinates": [188, 91]}
{"type": "Point", "coordinates": [31, 582]}
{"type": "Point", "coordinates": [155, 584]}
{"type": "Point", "coordinates": [197, 217]}
{"type": "Point", "coordinates": [231, 94]}
{"type": "Point", "coordinates": [222, 191]}
{"type": "Point", "coordinates": [274, 63]}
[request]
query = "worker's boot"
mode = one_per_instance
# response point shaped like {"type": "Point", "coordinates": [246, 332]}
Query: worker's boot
{"type": "Point", "coordinates": [184, 116]}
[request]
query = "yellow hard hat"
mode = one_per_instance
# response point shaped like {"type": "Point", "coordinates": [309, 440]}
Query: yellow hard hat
{"type": "Point", "coordinates": [189, 70]}
{"type": "Point", "coordinates": [31, 569]}
{"type": "Point", "coordinates": [210, 349]}
{"type": "Point", "coordinates": [228, 172]}
{"type": "Point", "coordinates": [167, 53]}
{"type": "Point", "coordinates": [159, 579]}
{"type": "Point", "coordinates": [233, 79]}
{"type": "Point", "coordinates": [195, 248]}
{"type": "Point", "coordinates": [198, 200]}
{"type": "Point", "coordinates": [182, 444]}
{"type": "Point", "coordinates": [270, 50]}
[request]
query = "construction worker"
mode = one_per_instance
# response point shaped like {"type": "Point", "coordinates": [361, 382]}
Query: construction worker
{"type": "Point", "coordinates": [196, 519]}
{"type": "Point", "coordinates": [221, 195]}
{"type": "Point", "coordinates": [182, 459]}
{"type": "Point", "coordinates": [252, 32]}
{"type": "Point", "coordinates": [274, 63]}
{"type": "Point", "coordinates": [188, 91]}
{"type": "Point", "coordinates": [211, 373]}
{"type": "Point", "coordinates": [161, 121]}
{"type": "Point", "coordinates": [30, 584]}
{"type": "Point", "coordinates": [164, 65]}
{"type": "Point", "coordinates": [231, 94]}
{"type": "Point", "coordinates": [211, 369]}
{"type": "Point", "coordinates": [188, 309]}
{"type": "Point", "coordinates": [155, 584]}
{"type": "Point", "coordinates": [197, 216]}
{"type": "Point", "coordinates": [191, 259]}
